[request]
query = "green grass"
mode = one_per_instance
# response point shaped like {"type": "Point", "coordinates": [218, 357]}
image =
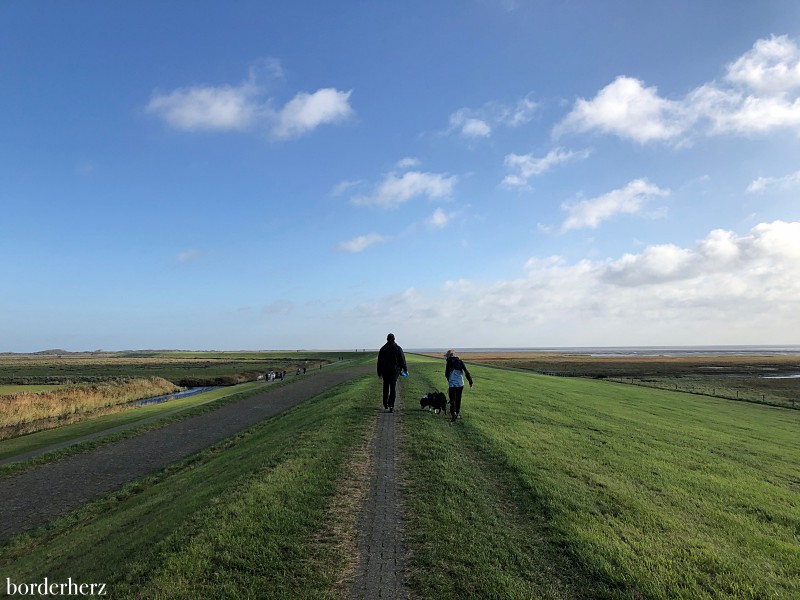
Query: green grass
{"type": "Point", "coordinates": [9, 389]}
{"type": "Point", "coordinates": [558, 487]}
{"type": "Point", "coordinates": [239, 520]}
{"type": "Point", "coordinates": [182, 368]}
{"type": "Point", "coordinates": [547, 488]}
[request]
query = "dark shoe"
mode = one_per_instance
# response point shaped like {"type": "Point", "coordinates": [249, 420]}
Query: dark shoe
{"type": "Point", "coordinates": [391, 409]}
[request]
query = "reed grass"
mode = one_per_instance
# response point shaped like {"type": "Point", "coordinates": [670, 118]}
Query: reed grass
{"type": "Point", "coordinates": [27, 412]}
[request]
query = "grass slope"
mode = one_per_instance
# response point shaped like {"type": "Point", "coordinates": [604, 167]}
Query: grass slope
{"type": "Point", "coordinates": [570, 488]}
{"type": "Point", "coordinates": [237, 521]}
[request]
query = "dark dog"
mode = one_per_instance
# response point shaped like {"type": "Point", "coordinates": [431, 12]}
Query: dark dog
{"type": "Point", "coordinates": [434, 401]}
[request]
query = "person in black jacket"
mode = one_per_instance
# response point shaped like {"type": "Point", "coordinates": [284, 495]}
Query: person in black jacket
{"type": "Point", "coordinates": [391, 362]}
{"type": "Point", "coordinates": [454, 372]}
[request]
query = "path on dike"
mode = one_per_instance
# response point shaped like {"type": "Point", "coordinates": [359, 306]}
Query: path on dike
{"type": "Point", "coordinates": [380, 571]}
{"type": "Point", "coordinates": [52, 490]}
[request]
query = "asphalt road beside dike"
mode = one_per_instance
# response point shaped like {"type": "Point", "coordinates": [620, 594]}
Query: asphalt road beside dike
{"type": "Point", "coordinates": [52, 490]}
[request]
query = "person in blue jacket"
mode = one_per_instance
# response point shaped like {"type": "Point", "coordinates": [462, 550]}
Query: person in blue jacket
{"type": "Point", "coordinates": [391, 362]}
{"type": "Point", "coordinates": [455, 371]}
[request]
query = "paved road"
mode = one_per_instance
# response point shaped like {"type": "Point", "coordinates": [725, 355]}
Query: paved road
{"type": "Point", "coordinates": [380, 572]}
{"type": "Point", "coordinates": [49, 491]}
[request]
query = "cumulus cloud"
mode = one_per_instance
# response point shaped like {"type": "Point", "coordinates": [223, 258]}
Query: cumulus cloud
{"type": "Point", "coordinates": [759, 94]}
{"type": "Point", "coordinates": [627, 200]}
{"type": "Point", "coordinates": [305, 112]}
{"type": "Point", "coordinates": [361, 242]}
{"type": "Point", "coordinates": [439, 219]}
{"type": "Point", "coordinates": [525, 166]}
{"type": "Point", "coordinates": [782, 183]}
{"type": "Point", "coordinates": [628, 109]}
{"type": "Point", "coordinates": [248, 107]}
{"type": "Point", "coordinates": [397, 189]}
{"type": "Point", "coordinates": [480, 122]}
{"type": "Point", "coordinates": [771, 67]}
{"type": "Point", "coordinates": [726, 288]}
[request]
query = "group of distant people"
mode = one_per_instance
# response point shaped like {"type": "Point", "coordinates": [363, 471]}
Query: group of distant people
{"type": "Point", "coordinates": [272, 376]}
{"type": "Point", "coordinates": [392, 364]}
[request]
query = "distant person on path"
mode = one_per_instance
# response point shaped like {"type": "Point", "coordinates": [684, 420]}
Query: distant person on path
{"type": "Point", "coordinates": [391, 362]}
{"type": "Point", "coordinates": [454, 372]}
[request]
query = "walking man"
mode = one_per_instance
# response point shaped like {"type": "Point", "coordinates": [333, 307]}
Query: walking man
{"type": "Point", "coordinates": [391, 362]}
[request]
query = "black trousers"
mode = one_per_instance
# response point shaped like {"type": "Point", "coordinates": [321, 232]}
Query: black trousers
{"type": "Point", "coordinates": [455, 400]}
{"type": "Point", "coordinates": [389, 390]}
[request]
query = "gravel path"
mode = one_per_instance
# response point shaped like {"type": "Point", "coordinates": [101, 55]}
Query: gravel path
{"type": "Point", "coordinates": [381, 561]}
{"type": "Point", "coordinates": [52, 490]}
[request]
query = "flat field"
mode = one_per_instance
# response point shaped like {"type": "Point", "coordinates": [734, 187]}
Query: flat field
{"type": "Point", "coordinates": [187, 369]}
{"type": "Point", "coordinates": [754, 378]}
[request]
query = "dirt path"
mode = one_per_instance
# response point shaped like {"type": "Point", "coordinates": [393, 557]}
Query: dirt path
{"type": "Point", "coordinates": [52, 490]}
{"type": "Point", "coordinates": [381, 562]}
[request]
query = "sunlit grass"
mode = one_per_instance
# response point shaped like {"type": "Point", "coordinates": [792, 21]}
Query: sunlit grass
{"type": "Point", "coordinates": [238, 520]}
{"type": "Point", "coordinates": [630, 492]}
{"type": "Point", "coordinates": [97, 424]}
{"type": "Point", "coordinates": [26, 412]}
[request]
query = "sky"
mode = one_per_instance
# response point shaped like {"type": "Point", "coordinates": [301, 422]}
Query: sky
{"type": "Point", "coordinates": [475, 173]}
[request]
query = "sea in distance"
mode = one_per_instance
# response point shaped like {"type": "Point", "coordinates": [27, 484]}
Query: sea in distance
{"type": "Point", "coordinates": [633, 351]}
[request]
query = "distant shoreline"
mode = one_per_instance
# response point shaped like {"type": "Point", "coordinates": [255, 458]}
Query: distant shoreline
{"type": "Point", "coordinates": [633, 351]}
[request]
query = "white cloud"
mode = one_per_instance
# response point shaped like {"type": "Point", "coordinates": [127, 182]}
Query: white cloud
{"type": "Point", "coordinates": [341, 187]}
{"type": "Point", "coordinates": [361, 242]}
{"type": "Point", "coordinates": [782, 183]}
{"type": "Point", "coordinates": [628, 200]}
{"type": "Point", "coordinates": [521, 113]}
{"type": "Point", "coordinates": [439, 219]}
{"type": "Point", "coordinates": [726, 289]}
{"type": "Point", "coordinates": [525, 166]}
{"type": "Point", "coordinates": [247, 106]}
{"type": "Point", "coordinates": [207, 108]}
{"type": "Point", "coordinates": [305, 112]}
{"type": "Point", "coordinates": [407, 163]}
{"type": "Point", "coordinates": [759, 95]}
{"type": "Point", "coordinates": [628, 109]}
{"type": "Point", "coordinates": [767, 245]}
{"type": "Point", "coordinates": [476, 128]}
{"type": "Point", "coordinates": [772, 66]}
{"type": "Point", "coordinates": [395, 189]}
{"type": "Point", "coordinates": [481, 122]}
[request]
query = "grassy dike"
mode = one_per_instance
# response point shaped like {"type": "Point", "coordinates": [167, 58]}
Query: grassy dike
{"type": "Point", "coordinates": [547, 488]}
{"type": "Point", "coordinates": [552, 487]}
{"type": "Point", "coordinates": [242, 519]}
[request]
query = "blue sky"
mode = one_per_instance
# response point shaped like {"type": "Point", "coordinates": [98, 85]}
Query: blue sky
{"type": "Point", "coordinates": [246, 175]}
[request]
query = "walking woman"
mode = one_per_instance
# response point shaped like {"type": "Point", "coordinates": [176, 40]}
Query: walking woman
{"type": "Point", "coordinates": [455, 372]}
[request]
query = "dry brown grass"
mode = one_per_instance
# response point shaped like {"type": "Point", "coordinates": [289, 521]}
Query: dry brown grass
{"type": "Point", "coordinates": [26, 412]}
